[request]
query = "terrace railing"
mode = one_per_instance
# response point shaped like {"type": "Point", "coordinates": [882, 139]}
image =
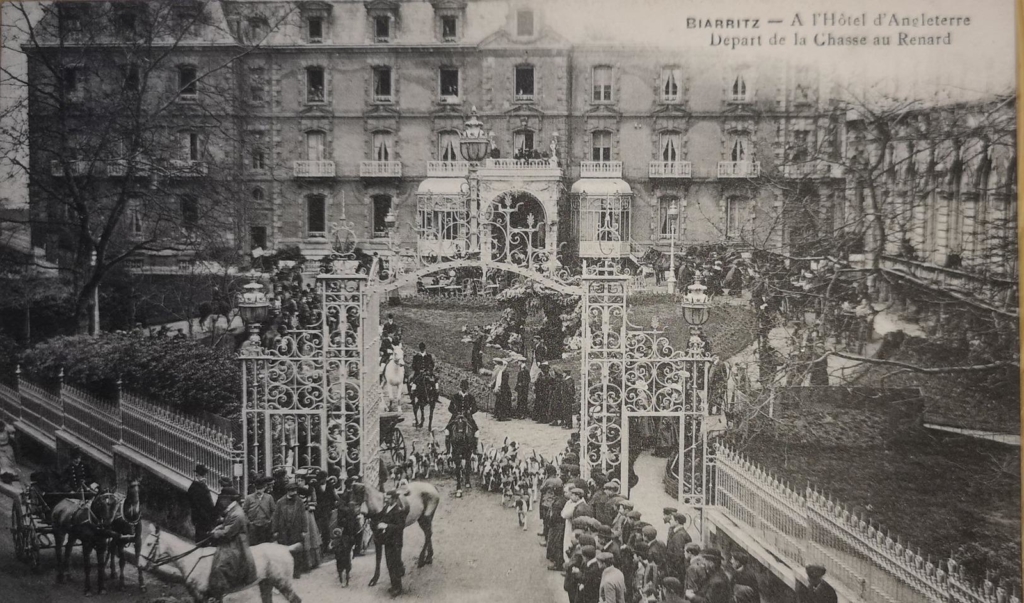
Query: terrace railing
{"type": "Point", "coordinates": [810, 527]}
{"type": "Point", "coordinates": [171, 439]}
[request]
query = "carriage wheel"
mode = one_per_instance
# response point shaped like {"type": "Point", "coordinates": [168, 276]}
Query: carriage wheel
{"type": "Point", "coordinates": [396, 446]}
{"type": "Point", "coordinates": [31, 547]}
{"type": "Point", "coordinates": [17, 534]}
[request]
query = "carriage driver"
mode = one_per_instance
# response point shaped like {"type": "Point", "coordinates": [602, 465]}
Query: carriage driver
{"type": "Point", "coordinates": [463, 403]}
{"type": "Point", "coordinates": [77, 476]}
{"type": "Point", "coordinates": [233, 566]}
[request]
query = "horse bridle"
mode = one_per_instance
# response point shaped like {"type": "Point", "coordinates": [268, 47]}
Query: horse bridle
{"type": "Point", "coordinates": [164, 559]}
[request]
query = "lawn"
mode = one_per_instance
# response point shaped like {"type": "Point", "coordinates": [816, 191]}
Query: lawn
{"type": "Point", "coordinates": [937, 491]}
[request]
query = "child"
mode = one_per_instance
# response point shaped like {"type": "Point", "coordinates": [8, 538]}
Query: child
{"type": "Point", "coordinates": [343, 532]}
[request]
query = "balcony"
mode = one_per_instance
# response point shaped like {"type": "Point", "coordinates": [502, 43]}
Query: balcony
{"type": "Point", "coordinates": [383, 99]}
{"type": "Point", "coordinates": [78, 168]}
{"type": "Point", "coordinates": [520, 168]}
{"type": "Point", "coordinates": [739, 169]}
{"type": "Point", "coordinates": [118, 168]}
{"type": "Point", "coordinates": [380, 169]}
{"type": "Point", "coordinates": [811, 169]}
{"type": "Point", "coordinates": [670, 169]}
{"type": "Point", "coordinates": [313, 169]}
{"type": "Point", "coordinates": [186, 168]}
{"type": "Point", "coordinates": [604, 249]}
{"type": "Point", "coordinates": [447, 169]}
{"type": "Point", "coordinates": [600, 169]}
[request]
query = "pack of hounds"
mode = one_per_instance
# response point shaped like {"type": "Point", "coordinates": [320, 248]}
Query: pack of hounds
{"type": "Point", "coordinates": [507, 470]}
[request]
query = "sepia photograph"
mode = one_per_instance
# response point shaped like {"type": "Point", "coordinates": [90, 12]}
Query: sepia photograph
{"type": "Point", "coordinates": [493, 301]}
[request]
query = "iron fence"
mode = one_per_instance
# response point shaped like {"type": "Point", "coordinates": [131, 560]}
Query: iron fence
{"type": "Point", "coordinates": [39, 408]}
{"type": "Point", "coordinates": [10, 407]}
{"type": "Point", "coordinates": [95, 421]}
{"type": "Point", "coordinates": [810, 527]}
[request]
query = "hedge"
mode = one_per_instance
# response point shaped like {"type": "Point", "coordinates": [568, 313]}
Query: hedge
{"type": "Point", "coordinates": [180, 373]}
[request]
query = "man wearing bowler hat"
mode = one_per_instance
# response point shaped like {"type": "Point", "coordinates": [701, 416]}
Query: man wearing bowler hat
{"type": "Point", "coordinates": [233, 566]}
{"type": "Point", "coordinates": [817, 590]}
{"type": "Point", "coordinates": [289, 524]}
{"type": "Point", "coordinates": [392, 530]}
{"type": "Point", "coordinates": [204, 514]}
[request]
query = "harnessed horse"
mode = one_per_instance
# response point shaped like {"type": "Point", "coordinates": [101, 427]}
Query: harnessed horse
{"type": "Point", "coordinates": [126, 529]}
{"type": "Point", "coordinates": [87, 521]}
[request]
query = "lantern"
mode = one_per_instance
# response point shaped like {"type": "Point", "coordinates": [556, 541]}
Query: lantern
{"type": "Point", "coordinates": [696, 304]}
{"type": "Point", "coordinates": [253, 304]}
{"type": "Point", "coordinates": [474, 143]}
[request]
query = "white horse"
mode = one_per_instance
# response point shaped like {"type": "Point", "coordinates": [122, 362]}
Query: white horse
{"type": "Point", "coordinates": [394, 378]}
{"type": "Point", "coordinates": [274, 563]}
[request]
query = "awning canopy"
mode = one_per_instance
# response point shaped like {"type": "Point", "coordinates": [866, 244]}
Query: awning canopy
{"type": "Point", "coordinates": [441, 186]}
{"type": "Point", "coordinates": [601, 186]}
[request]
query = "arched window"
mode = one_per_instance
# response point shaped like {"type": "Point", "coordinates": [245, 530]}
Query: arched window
{"type": "Point", "coordinates": [448, 146]}
{"type": "Point", "coordinates": [257, 194]}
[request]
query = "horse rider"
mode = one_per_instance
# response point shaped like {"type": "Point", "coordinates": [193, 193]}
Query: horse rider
{"type": "Point", "coordinates": [233, 566]}
{"type": "Point", "coordinates": [77, 476]}
{"type": "Point", "coordinates": [463, 404]}
{"type": "Point", "coordinates": [422, 372]}
{"type": "Point", "coordinates": [389, 328]}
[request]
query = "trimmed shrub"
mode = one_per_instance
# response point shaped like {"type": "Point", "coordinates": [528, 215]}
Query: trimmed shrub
{"type": "Point", "coordinates": [180, 373]}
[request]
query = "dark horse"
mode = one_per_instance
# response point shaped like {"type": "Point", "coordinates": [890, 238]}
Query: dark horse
{"type": "Point", "coordinates": [424, 394]}
{"type": "Point", "coordinates": [125, 529]}
{"type": "Point", "coordinates": [462, 444]}
{"type": "Point", "coordinates": [420, 498]}
{"type": "Point", "coordinates": [88, 522]}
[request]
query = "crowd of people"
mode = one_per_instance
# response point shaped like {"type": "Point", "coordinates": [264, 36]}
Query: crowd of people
{"type": "Point", "coordinates": [609, 553]}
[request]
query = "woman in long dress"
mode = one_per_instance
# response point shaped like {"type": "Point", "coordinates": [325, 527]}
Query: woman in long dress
{"type": "Point", "coordinates": [502, 392]}
{"type": "Point", "coordinates": [575, 498]}
{"type": "Point", "coordinates": [8, 466]}
{"type": "Point", "coordinates": [312, 542]}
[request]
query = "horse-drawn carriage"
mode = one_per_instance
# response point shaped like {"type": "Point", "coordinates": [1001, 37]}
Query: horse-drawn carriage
{"type": "Point", "coordinates": [31, 529]}
{"type": "Point", "coordinates": [392, 442]}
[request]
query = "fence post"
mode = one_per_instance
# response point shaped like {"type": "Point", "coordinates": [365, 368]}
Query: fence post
{"type": "Point", "coordinates": [60, 395]}
{"type": "Point", "coordinates": [17, 390]}
{"type": "Point", "coordinates": [120, 412]}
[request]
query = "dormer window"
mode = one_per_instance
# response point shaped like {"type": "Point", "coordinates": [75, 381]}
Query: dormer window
{"type": "Point", "coordinates": [602, 84]}
{"type": "Point", "coordinates": [70, 18]}
{"type": "Point", "coordinates": [524, 23]}
{"type": "Point", "coordinates": [524, 83]}
{"type": "Point", "coordinates": [382, 29]}
{"type": "Point", "coordinates": [738, 90]}
{"type": "Point", "coordinates": [125, 22]}
{"type": "Point", "coordinates": [671, 85]}
{"type": "Point", "coordinates": [315, 30]}
{"type": "Point", "coordinates": [449, 29]}
{"type": "Point", "coordinates": [258, 28]}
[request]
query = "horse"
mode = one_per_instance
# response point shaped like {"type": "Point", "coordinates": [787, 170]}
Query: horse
{"type": "Point", "coordinates": [463, 445]}
{"type": "Point", "coordinates": [423, 394]}
{"type": "Point", "coordinates": [420, 498]}
{"type": "Point", "coordinates": [126, 528]}
{"type": "Point", "coordinates": [274, 563]}
{"type": "Point", "coordinates": [394, 377]}
{"type": "Point", "coordinates": [88, 522]}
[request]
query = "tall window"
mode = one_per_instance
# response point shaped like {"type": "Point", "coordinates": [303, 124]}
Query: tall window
{"type": "Point", "coordinates": [448, 146]}
{"type": "Point", "coordinates": [382, 29]}
{"type": "Point", "coordinates": [522, 141]}
{"type": "Point", "coordinates": [449, 29]}
{"type": "Point", "coordinates": [258, 28]}
{"type": "Point", "coordinates": [132, 81]}
{"type": "Point", "coordinates": [316, 216]}
{"type": "Point", "coordinates": [382, 146]}
{"type": "Point", "coordinates": [739, 149]}
{"type": "Point", "coordinates": [189, 212]}
{"type": "Point", "coordinates": [738, 92]}
{"type": "Point", "coordinates": [449, 77]}
{"type": "Point", "coordinates": [801, 145]}
{"type": "Point", "coordinates": [671, 81]}
{"type": "Point", "coordinates": [315, 30]}
{"type": "Point", "coordinates": [257, 85]}
{"type": "Point", "coordinates": [257, 153]}
{"type": "Point", "coordinates": [665, 224]}
{"type": "Point", "coordinates": [189, 145]}
{"type": "Point", "coordinates": [601, 148]}
{"type": "Point", "coordinates": [69, 77]}
{"type": "Point", "coordinates": [382, 84]}
{"type": "Point", "coordinates": [257, 237]}
{"type": "Point", "coordinates": [315, 85]}
{"type": "Point", "coordinates": [381, 209]}
{"type": "Point", "coordinates": [135, 218]}
{"type": "Point", "coordinates": [524, 83]}
{"type": "Point", "coordinates": [524, 23]}
{"type": "Point", "coordinates": [188, 87]}
{"type": "Point", "coordinates": [602, 84]}
{"type": "Point", "coordinates": [670, 146]}
{"type": "Point", "coordinates": [315, 143]}
{"type": "Point", "coordinates": [737, 216]}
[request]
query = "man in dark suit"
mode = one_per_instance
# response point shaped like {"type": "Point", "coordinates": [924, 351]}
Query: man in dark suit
{"type": "Point", "coordinates": [590, 581]}
{"type": "Point", "coordinates": [718, 587]}
{"type": "Point", "coordinates": [522, 391]}
{"type": "Point", "coordinates": [675, 549]}
{"type": "Point", "coordinates": [604, 508]}
{"type": "Point", "coordinates": [389, 328]}
{"type": "Point", "coordinates": [743, 575]}
{"type": "Point", "coordinates": [392, 527]}
{"type": "Point", "coordinates": [204, 513]}
{"type": "Point", "coordinates": [542, 391]}
{"type": "Point", "coordinates": [462, 403]}
{"type": "Point", "coordinates": [817, 590]}
{"type": "Point", "coordinates": [655, 547]}
{"type": "Point", "coordinates": [77, 476]}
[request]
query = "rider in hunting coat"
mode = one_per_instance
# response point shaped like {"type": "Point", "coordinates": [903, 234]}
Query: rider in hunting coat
{"type": "Point", "coordinates": [422, 369]}
{"type": "Point", "coordinates": [233, 565]}
{"type": "Point", "coordinates": [463, 403]}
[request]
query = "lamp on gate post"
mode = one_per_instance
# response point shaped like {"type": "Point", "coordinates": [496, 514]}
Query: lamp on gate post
{"type": "Point", "coordinates": [673, 215]}
{"type": "Point", "coordinates": [474, 146]}
{"type": "Point", "coordinates": [253, 307]}
{"type": "Point", "coordinates": [696, 305]}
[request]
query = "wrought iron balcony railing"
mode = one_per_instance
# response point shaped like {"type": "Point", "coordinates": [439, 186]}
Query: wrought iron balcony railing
{"type": "Point", "coordinates": [118, 168]}
{"type": "Point", "coordinates": [670, 169]}
{"type": "Point", "coordinates": [811, 169]}
{"type": "Point", "coordinates": [186, 168]}
{"type": "Point", "coordinates": [601, 169]}
{"type": "Point", "coordinates": [447, 169]}
{"type": "Point", "coordinates": [380, 169]}
{"type": "Point", "coordinates": [314, 169]}
{"type": "Point", "coordinates": [739, 169]}
{"type": "Point", "coordinates": [78, 168]}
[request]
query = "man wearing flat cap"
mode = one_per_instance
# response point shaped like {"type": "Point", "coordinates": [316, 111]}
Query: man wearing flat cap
{"type": "Point", "coordinates": [259, 510]}
{"type": "Point", "coordinates": [675, 547]}
{"type": "Point", "coordinates": [718, 586]}
{"type": "Point", "coordinates": [233, 565]}
{"type": "Point", "coordinates": [655, 547]}
{"type": "Point", "coordinates": [673, 590]}
{"type": "Point", "coordinates": [817, 590]}
{"type": "Point", "coordinates": [391, 528]}
{"type": "Point", "coordinates": [667, 513]}
{"type": "Point", "coordinates": [604, 510]}
{"type": "Point", "coordinates": [613, 583]}
{"type": "Point", "coordinates": [289, 524]}
{"type": "Point", "coordinates": [590, 580]}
